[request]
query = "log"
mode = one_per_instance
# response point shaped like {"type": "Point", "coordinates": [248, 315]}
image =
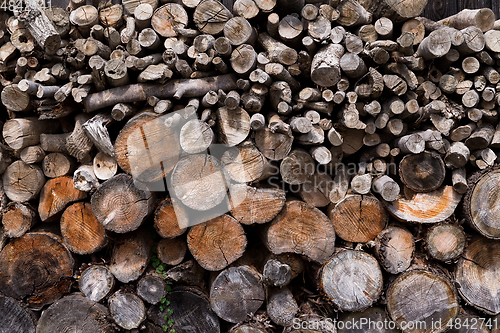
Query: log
{"type": "Point", "coordinates": [432, 207]}
{"type": "Point", "coordinates": [352, 13]}
{"type": "Point", "coordinates": [33, 264]}
{"type": "Point", "coordinates": [473, 41]}
{"type": "Point", "coordinates": [84, 312]}
{"type": "Point", "coordinates": [84, 17]}
{"type": "Point", "coordinates": [442, 305]}
{"type": "Point", "coordinates": [170, 219]}
{"type": "Point", "coordinates": [167, 19]}
{"type": "Point", "coordinates": [96, 282]}
{"type": "Point", "coordinates": [16, 318]}
{"type": "Point", "coordinates": [210, 16]}
{"type": "Point", "coordinates": [457, 155]}
{"type": "Point", "coordinates": [244, 163]}
{"type": "Point", "coordinates": [396, 11]}
{"type": "Point", "coordinates": [81, 232]}
{"type": "Point", "coordinates": [435, 45]}
{"type": "Point", "coordinates": [105, 166]}
{"type": "Point", "coordinates": [22, 132]}
{"type": "Point", "coordinates": [217, 243]}
{"type": "Point", "coordinates": [151, 288]}
{"type": "Point", "coordinates": [424, 172]}
{"type": "Point", "coordinates": [127, 310]}
{"type": "Point", "coordinates": [55, 195]}
{"type": "Point", "coordinates": [17, 219]}
{"type": "Point", "coordinates": [190, 308]}
{"type": "Point", "coordinates": [234, 125]}
{"type": "Point", "coordinates": [57, 165]}
{"type": "Point", "coordinates": [246, 290]}
{"type": "Point", "coordinates": [274, 146]}
{"type": "Point", "coordinates": [445, 241]}
{"type": "Point", "coordinates": [174, 88]}
{"type": "Point", "coordinates": [482, 220]}
{"type": "Point", "coordinates": [288, 232]}
{"type": "Point", "coordinates": [394, 248]}
{"type": "Point", "coordinates": [352, 280]}
{"type": "Point", "coordinates": [281, 306]}
{"type": "Point", "coordinates": [358, 218]}
{"type": "Point", "coordinates": [130, 257]}
{"type": "Point", "coordinates": [171, 251]}
{"type": "Point", "coordinates": [325, 66]}
{"type": "Point", "coordinates": [84, 178]}
{"type": "Point", "coordinates": [42, 29]}
{"type": "Point", "coordinates": [22, 182]}
{"type": "Point", "coordinates": [119, 205]}
{"type": "Point", "coordinates": [482, 18]}
{"type": "Point", "coordinates": [297, 167]}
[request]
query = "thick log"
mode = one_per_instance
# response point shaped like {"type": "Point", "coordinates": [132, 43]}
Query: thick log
{"type": "Point", "coordinates": [84, 17]}
{"type": "Point", "coordinates": [445, 241]}
{"type": "Point", "coordinates": [352, 13]}
{"type": "Point", "coordinates": [96, 282]}
{"type": "Point", "coordinates": [17, 219]}
{"type": "Point", "coordinates": [130, 256]}
{"type": "Point", "coordinates": [440, 305]}
{"type": "Point", "coordinates": [245, 163]}
{"type": "Point", "coordinates": [34, 264]}
{"type": "Point", "coordinates": [351, 279]}
{"type": "Point", "coordinates": [210, 17]}
{"type": "Point", "coordinates": [432, 207]}
{"type": "Point", "coordinates": [120, 206]}
{"type": "Point", "coordinates": [274, 146]}
{"type": "Point", "coordinates": [84, 313]}
{"type": "Point", "coordinates": [127, 310]}
{"type": "Point", "coordinates": [170, 219]}
{"type": "Point", "coordinates": [55, 195]}
{"type": "Point", "coordinates": [15, 317]}
{"type": "Point", "coordinates": [167, 19]}
{"type": "Point", "coordinates": [281, 306]}
{"type": "Point", "coordinates": [217, 243]}
{"type": "Point", "coordinates": [480, 256]}
{"type": "Point", "coordinates": [325, 66]}
{"type": "Point", "coordinates": [57, 165]}
{"type": "Point", "coordinates": [190, 308]}
{"type": "Point", "coordinates": [234, 125]}
{"type": "Point", "coordinates": [171, 251]}
{"type": "Point", "coordinates": [358, 218]}
{"type": "Point", "coordinates": [81, 232]}
{"type": "Point", "coordinates": [424, 172]}
{"type": "Point", "coordinates": [482, 18]}
{"type": "Point", "coordinates": [394, 248]}
{"type": "Point", "coordinates": [297, 167]}
{"type": "Point", "coordinates": [22, 182]}
{"type": "Point", "coordinates": [151, 288]}
{"type": "Point", "coordinates": [288, 232]}
{"type": "Point", "coordinates": [246, 292]}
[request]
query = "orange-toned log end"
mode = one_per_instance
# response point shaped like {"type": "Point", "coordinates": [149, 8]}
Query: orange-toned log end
{"type": "Point", "coordinates": [55, 195]}
{"type": "Point", "coordinates": [421, 296]}
{"type": "Point", "coordinates": [445, 241]}
{"type": "Point", "coordinates": [482, 203]}
{"type": "Point", "coordinates": [33, 263]}
{"type": "Point", "coordinates": [302, 229]}
{"type": "Point", "coordinates": [17, 219]}
{"type": "Point", "coordinates": [260, 205]}
{"type": "Point", "coordinates": [358, 218]}
{"type": "Point", "coordinates": [169, 217]}
{"type": "Point", "coordinates": [81, 231]}
{"type": "Point", "coordinates": [431, 207]}
{"type": "Point", "coordinates": [217, 243]}
{"type": "Point", "coordinates": [50, 294]}
{"type": "Point", "coordinates": [477, 275]}
{"type": "Point", "coordinates": [171, 251]}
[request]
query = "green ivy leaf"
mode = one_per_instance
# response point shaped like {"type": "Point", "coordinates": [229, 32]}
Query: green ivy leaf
{"type": "Point", "coordinates": [170, 322]}
{"type": "Point", "coordinates": [163, 300]}
{"type": "Point", "coordinates": [165, 328]}
{"type": "Point", "coordinates": [167, 302]}
{"type": "Point", "coordinates": [165, 317]}
{"type": "Point", "coordinates": [170, 311]}
{"type": "Point", "coordinates": [162, 308]}
{"type": "Point", "coordinates": [172, 331]}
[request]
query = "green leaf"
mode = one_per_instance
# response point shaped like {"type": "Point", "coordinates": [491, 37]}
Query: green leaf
{"type": "Point", "coordinates": [162, 308]}
{"type": "Point", "coordinates": [170, 322]}
{"type": "Point", "coordinates": [172, 331]}
{"type": "Point", "coordinates": [168, 288]}
{"type": "Point", "coordinates": [170, 311]}
{"type": "Point", "coordinates": [163, 300]}
{"type": "Point", "coordinates": [167, 302]}
{"type": "Point", "coordinates": [165, 317]}
{"type": "Point", "coordinates": [162, 267]}
{"type": "Point", "coordinates": [165, 328]}
{"type": "Point", "coordinates": [155, 264]}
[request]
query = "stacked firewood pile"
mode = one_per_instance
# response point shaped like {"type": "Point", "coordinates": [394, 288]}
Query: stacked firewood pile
{"type": "Point", "coordinates": [361, 144]}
